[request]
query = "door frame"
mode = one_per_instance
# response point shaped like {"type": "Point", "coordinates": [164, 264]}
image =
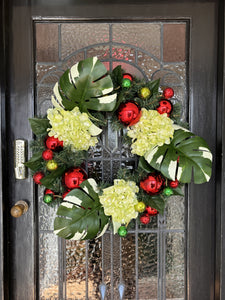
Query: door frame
{"type": "Point", "coordinates": [217, 281]}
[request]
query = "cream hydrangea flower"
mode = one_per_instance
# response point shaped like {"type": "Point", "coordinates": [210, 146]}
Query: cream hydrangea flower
{"type": "Point", "coordinates": [153, 129]}
{"type": "Point", "coordinates": [119, 200]}
{"type": "Point", "coordinates": [73, 128]}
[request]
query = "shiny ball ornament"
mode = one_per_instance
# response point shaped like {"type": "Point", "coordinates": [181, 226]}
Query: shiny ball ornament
{"type": "Point", "coordinates": [145, 92]}
{"type": "Point", "coordinates": [168, 191]}
{"type": "Point", "coordinates": [49, 192]}
{"type": "Point", "coordinates": [151, 211]}
{"type": "Point", "coordinates": [168, 93]}
{"type": "Point", "coordinates": [47, 154]}
{"type": "Point", "coordinates": [74, 177]}
{"type": "Point", "coordinates": [153, 184]}
{"type": "Point", "coordinates": [140, 207]}
{"type": "Point", "coordinates": [53, 143]}
{"type": "Point", "coordinates": [174, 184]}
{"type": "Point", "coordinates": [129, 113]}
{"type": "Point", "coordinates": [122, 231]}
{"type": "Point", "coordinates": [51, 165]}
{"type": "Point", "coordinates": [165, 107]}
{"type": "Point", "coordinates": [126, 83]}
{"type": "Point", "coordinates": [145, 219]}
{"type": "Point", "coordinates": [128, 76]}
{"type": "Point", "coordinates": [48, 198]}
{"type": "Point", "coordinates": [37, 177]}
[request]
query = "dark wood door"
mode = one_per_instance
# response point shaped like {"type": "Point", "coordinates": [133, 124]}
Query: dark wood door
{"type": "Point", "coordinates": [23, 22]}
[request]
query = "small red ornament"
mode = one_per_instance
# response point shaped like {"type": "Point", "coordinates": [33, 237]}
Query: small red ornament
{"type": "Point", "coordinates": [128, 76]}
{"type": "Point", "coordinates": [129, 113]}
{"type": "Point", "coordinates": [168, 93]}
{"type": "Point", "coordinates": [47, 154]}
{"type": "Point", "coordinates": [145, 219]}
{"type": "Point", "coordinates": [65, 194]}
{"type": "Point", "coordinates": [73, 177]}
{"type": "Point", "coordinates": [165, 106]}
{"type": "Point", "coordinates": [174, 184]}
{"type": "Point", "coordinates": [53, 143]}
{"type": "Point", "coordinates": [151, 211]}
{"type": "Point", "coordinates": [48, 192]}
{"type": "Point", "coordinates": [37, 177]}
{"type": "Point", "coordinates": [153, 184]}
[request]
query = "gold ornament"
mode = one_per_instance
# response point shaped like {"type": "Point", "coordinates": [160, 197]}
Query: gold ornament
{"type": "Point", "coordinates": [51, 165]}
{"type": "Point", "coordinates": [145, 92]}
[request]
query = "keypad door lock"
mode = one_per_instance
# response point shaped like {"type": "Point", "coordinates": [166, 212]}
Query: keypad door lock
{"type": "Point", "coordinates": [19, 159]}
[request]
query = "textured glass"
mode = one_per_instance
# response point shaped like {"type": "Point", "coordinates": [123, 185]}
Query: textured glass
{"type": "Point", "coordinates": [134, 70]}
{"type": "Point", "coordinates": [48, 268]}
{"type": "Point", "coordinates": [174, 42]}
{"type": "Point", "coordinates": [147, 64]}
{"type": "Point", "coordinates": [147, 267]}
{"type": "Point", "coordinates": [175, 213]}
{"type": "Point", "coordinates": [46, 214]}
{"type": "Point", "coordinates": [75, 269]}
{"type": "Point", "coordinates": [123, 53]}
{"type": "Point", "coordinates": [175, 265]}
{"type": "Point", "coordinates": [80, 35]}
{"type": "Point", "coordinates": [145, 36]}
{"type": "Point", "coordinates": [47, 42]}
{"type": "Point", "coordinates": [151, 225]}
{"type": "Point", "coordinates": [102, 52]}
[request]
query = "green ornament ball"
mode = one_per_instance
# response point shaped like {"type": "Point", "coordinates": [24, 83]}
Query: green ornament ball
{"type": "Point", "coordinates": [145, 92]}
{"type": "Point", "coordinates": [126, 83]}
{"type": "Point", "coordinates": [122, 231]}
{"type": "Point", "coordinates": [168, 191]}
{"type": "Point", "coordinates": [48, 198]}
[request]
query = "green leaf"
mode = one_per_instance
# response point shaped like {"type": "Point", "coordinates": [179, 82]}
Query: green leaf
{"type": "Point", "coordinates": [87, 86]}
{"type": "Point", "coordinates": [144, 165]}
{"type": "Point", "coordinates": [158, 203]}
{"type": "Point", "coordinates": [81, 216]}
{"type": "Point", "coordinates": [39, 126]}
{"type": "Point", "coordinates": [195, 158]}
{"type": "Point", "coordinates": [178, 191]}
{"type": "Point", "coordinates": [49, 180]}
{"type": "Point", "coordinates": [35, 162]}
{"type": "Point", "coordinates": [154, 86]}
{"type": "Point", "coordinates": [117, 76]}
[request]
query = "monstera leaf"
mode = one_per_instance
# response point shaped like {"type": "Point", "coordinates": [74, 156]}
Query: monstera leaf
{"type": "Point", "coordinates": [187, 155]}
{"type": "Point", "coordinates": [81, 216]}
{"type": "Point", "coordinates": [87, 86]}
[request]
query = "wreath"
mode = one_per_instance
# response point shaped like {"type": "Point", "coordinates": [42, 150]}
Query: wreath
{"type": "Point", "coordinates": [168, 154]}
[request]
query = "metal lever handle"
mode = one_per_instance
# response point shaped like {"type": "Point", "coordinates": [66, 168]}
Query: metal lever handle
{"type": "Point", "coordinates": [20, 208]}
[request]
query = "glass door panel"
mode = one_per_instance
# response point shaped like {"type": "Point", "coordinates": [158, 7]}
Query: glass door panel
{"type": "Point", "coordinates": [150, 262]}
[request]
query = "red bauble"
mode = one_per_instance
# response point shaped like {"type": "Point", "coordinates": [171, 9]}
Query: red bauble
{"type": "Point", "coordinates": [168, 93]}
{"type": "Point", "coordinates": [129, 113]}
{"type": "Point", "coordinates": [174, 184]}
{"type": "Point", "coordinates": [128, 76]}
{"type": "Point", "coordinates": [47, 154]}
{"type": "Point", "coordinates": [53, 143]}
{"type": "Point", "coordinates": [165, 106]}
{"type": "Point", "coordinates": [153, 184]}
{"type": "Point", "coordinates": [151, 211]}
{"type": "Point", "coordinates": [73, 177]}
{"type": "Point", "coordinates": [38, 176]}
{"type": "Point", "coordinates": [145, 219]}
{"type": "Point", "coordinates": [49, 192]}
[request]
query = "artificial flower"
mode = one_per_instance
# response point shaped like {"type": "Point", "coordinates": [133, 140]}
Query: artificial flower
{"type": "Point", "coordinates": [72, 127]}
{"type": "Point", "coordinates": [153, 129]}
{"type": "Point", "coordinates": [119, 201]}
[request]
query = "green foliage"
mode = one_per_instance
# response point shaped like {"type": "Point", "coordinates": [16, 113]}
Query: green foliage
{"type": "Point", "coordinates": [48, 180]}
{"type": "Point", "coordinates": [35, 163]}
{"type": "Point", "coordinates": [195, 158]}
{"type": "Point", "coordinates": [39, 126]}
{"type": "Point", "coordinates": [81, 215]}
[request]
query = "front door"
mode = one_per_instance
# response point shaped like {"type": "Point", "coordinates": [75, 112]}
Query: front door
{"type": "Point", "coordinates": [171, 258]}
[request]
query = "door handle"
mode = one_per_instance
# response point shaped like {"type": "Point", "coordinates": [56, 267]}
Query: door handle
{"type": "Point", "coordinates": [20, 208]}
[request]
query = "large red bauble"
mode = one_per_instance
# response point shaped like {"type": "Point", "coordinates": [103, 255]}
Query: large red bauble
{"type": "Point", "coordinates": [145, 219]}
{"type": "Point", "coordinates": [53, 143]}
{"type": "Point", "coordinates": [153, 184]}
{"type": "Point", "coordinates": [129, 113]}
{"type": "Point", "coordinates": [151, 211]}
{"type": "Point", "coordinates": [47, 154]}
{"type": "Point", "coordinates": [73, 177]}
{"type": "Point", "coordinates": [168, 93]}
{"type": "Point", "coordinates": [128, 76]}
{"type": "Point", "coordinates": [174, 184]}
{"type": "Point", "coordinates": [38, 176]}
{"type": "Point", "coordinates": [165, 106]}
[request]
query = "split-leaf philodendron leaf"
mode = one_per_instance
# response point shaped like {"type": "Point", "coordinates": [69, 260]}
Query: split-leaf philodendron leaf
{"type": "Point", "coordinates": [187, 155]}
{"type": "Point", "coordinates": [87, 86]}
{"type": "Point", "coordinates": [81, 215]}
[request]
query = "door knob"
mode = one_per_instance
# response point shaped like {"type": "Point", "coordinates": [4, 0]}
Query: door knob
{"type": "Point", "coordinates": [20, 208]}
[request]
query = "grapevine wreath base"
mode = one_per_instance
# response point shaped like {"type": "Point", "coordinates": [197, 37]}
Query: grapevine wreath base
{"type": "Point", "coordinates": [169, 155]}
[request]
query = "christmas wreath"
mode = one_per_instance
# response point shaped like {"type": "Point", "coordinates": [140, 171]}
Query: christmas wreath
{"type": "Point", "coordinates": [169, 155]}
